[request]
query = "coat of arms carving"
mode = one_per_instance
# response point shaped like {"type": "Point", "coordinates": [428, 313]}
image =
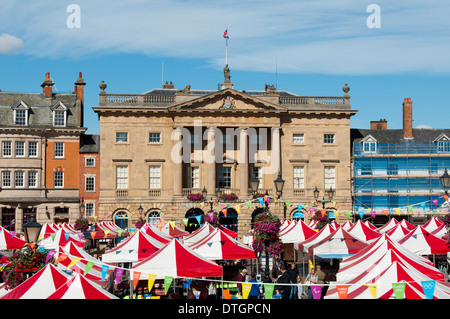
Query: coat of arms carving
{"type": "Point", "coordinates": [228, 103]}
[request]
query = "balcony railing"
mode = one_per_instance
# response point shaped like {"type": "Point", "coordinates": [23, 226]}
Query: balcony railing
{"type": "Point", "coordinates": [137, 100]}
{"type": "Point", "coordinates": [400, 149]}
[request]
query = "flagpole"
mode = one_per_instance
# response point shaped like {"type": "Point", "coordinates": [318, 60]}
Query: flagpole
{"type": "Point", "coordinates": [226, 50]}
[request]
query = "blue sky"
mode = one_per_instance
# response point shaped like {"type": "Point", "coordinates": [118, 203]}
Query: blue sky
{"type": "Point", "coordinates": [305, 47]}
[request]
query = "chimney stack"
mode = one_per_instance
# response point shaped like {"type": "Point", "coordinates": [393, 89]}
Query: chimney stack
{"type": "Point", "coordinates": [47, 85]}
{"type": "Point", "coordinates": [79, 90]}
{"type": "Point", "coordinates": [378, 125]}
{"type": "Point", "coordinates": [168, 86]}
{"type": "Point", "coordinates": [407, 119]}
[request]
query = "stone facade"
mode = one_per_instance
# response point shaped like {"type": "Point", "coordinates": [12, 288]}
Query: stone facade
{"type": "Point", "coordinates": [160, 146]}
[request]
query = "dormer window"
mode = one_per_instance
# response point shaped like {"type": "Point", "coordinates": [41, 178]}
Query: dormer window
{"type": "Point", "coordinates": [369, 144]}
{"type": "Point", "coordinates": [443, 144]}
{"type": "Point", "coordinates": [20, 110]}
{"type": "Point", "coordinates": [59, 114]}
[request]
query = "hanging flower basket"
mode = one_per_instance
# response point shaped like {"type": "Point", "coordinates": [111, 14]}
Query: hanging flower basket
{"type": "Point", "coordinates": [230, 197]}
{"type": "Point", "coordinates": [266, 229]}
{"type": "Point", "coordinates": [195, 197]}
{"type": "Point", "coordinates": [139, 223]}
{"type": "Point", "coordinates": [23, 265]}
{"type": "Point", "coordinates": [81, 224]}
{"type": "Point", "coordinates": [212, 219]}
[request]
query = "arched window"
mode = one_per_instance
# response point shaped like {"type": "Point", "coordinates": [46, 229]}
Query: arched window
{"type": "Point", "coordinates": [153, 217]}
{"type": "Point", "coordinates": [121, 219]}
{"type": "Point", "coordinates": [296, 215]}
{"type": "Point", "coordinates": [195, 219]}
{"type": "Point", "coordinates": [230, 220]}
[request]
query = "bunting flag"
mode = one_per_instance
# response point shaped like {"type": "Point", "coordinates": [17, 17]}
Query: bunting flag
{"type": "Point", "coordinates": [167, 282]}
{"type": "Point", "coordinates": [246, 287]}
{"type": "Point", "coordinates": [105, 269]}
{"type": "Point", "coordinates": [53, 235]}
{"type": "Point", "coordinates": [361, 214]}
{"type": "Point", "coordinates": [323, 212]}
{"type": "Point", "coordinates": [316, 291]}
{"type": "Point", "coordinates": [172, 224]}
{"type": "Point", "coordinates": [224, 212]}
{"type": "Point", "coordinates": [151, 281]}
{"type": "Point", "coordinates": [299, 207]}
{"type": "Point", "coordinates": [50, 254]}
{"type": "Point", "coordinates": [61, 258]}
{"type": "Point", "coordinates": [238, 209]}
{"type": "Point", "coordinates": [428, 288]}
{"type": "Point", "coordinates": [397, 210]}
{"type": "Point", "coordinates": [88, 267]}
{"type": "Point", "coordinates": [373, 213]}
{"type": "Point", "coordinates": [268, 290]}
{"type": "Point", "coordinates": [136, 276]}
{"type": "Point", "coordinates": [199, 219]}
{"type": "Point", "coordinates": [185, 221]}
{"type": "Point", "coordinates": [287, 204]}
{"type": "Point", "coordinates": [73, 262]}
{"type": "Point", "coordinates": [410, 208]}
{"type": "Point", "coordinates": [435, 202]}
{"type": "Point", "coordinates": [261, 201]}
{"type": "Point", "coordinates": [399, 289]}
{"type": "Point", "coordinates": [342, 291]}
{"type": "Point", "coordinates": [372, 289]}
{"type": "Point", "coordinates": [446, 197]}
{"type": "Point", "coordinates": [119, 272]}
{"type": "Point", "coordinates": [386, 212]}
{"type": "Point", "coordinates": [249, 204]}
{"type": "Point", "coordinates": [93, 234]}
{"type": "Point", "coordinates": [332, 214]}
{"type": "Point", "coordinates": [311, 210]}
{"type": "Point", "coordinates": [349, 214]}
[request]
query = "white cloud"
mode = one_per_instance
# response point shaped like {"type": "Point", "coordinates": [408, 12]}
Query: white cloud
{"type": "Point", "coordinates": [323, 36]}
{"type": "Point", "coordinates": [10, 44]}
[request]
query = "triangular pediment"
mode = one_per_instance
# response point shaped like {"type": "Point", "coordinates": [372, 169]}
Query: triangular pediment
{"type": "Point", "coordinates": [368, 138]}
{"type": "Point", "coordinates": [20, 105]}
{"type": "Point", "coordinates": [228, 100]}
{"type": "Point", "coordinates": [59, 106]}
{"type": "Point", "coordinates": [442, 138]}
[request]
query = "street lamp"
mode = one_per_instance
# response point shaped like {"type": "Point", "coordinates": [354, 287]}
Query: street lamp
{"type": "Point", "coordinates": [32, 230]}
{"type": "Point", "coordinates": [254, 184]}
{"type": "Point", "coordinates": [331, 194]}
{"type": "Point", "coordinates": [82, 209]}
{"type": "Point", "coordinates": [316, 194]}
{"type": "Point", "coordinates": [140, 210]}
{"type": "Point", "coordinates": [279, 184]}
{"type": "Point", "coordinates": [204, 192]}
{"type": "Point", "coordinates": [445, 181]}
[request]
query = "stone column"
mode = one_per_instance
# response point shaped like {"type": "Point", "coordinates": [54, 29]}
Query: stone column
{"type": "Point", "coordinates": [243, 162]}
{"type": "Point", "coordinates": [19, 219]}
{"type": "Point", "coordinates": [210, 159]}
{"type": "Point", "coordinates": [177, 163]}
{"type": "Point", "coordinates": [275, 164]}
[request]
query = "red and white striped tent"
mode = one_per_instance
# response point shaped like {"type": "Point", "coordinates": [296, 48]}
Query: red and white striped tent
{"type": "Point", "coordinates": [219, 246]}
{"type": "Point", "coordinates": [134, 249]}
{"type": "Point", "coordinates": [198, 234]}
{"type": "Point", "coordinates": [229, 232]}
{"type": "Point", "coordinates": [321, 234]}
{"type": "Point", "coordinates": [299, 232]}
{"type": "Point", "coordinates": [347, 225]}
{"type": "Point", "coordinates": [173, 230]}
{"type": "Point", "coordinates": [389, 225]}
{"type": "Point", "coordinates": [177, 260]}
{"type": "Point", "coordinates": [81, 288]}
{"type": "Point", "coordinates": [77, 261]}
{"type": "Point", "coordinates": [380, 254]}
{"type": "Point", "coordinates": [154, 232]}
{"type": "Point", "coordinates": [395, 272]}
{"type": "Point", "coordinates": [441, 232]}
{"type": "Point", "coordinates": [407, 225]}
{"type": "Point", "coordinates": [48, 229]}
{"type": "Point", "coordinates": [432, 224]}
{"type": "Point", "coordinates": [397, 232]}
{"type": "Point", "coordinates": [422, 242]}
{"type": "Point", "coordinates": [9, 241]}
{"type": "Point", "coordinates": [41, 285]}
{"type": "Point", "coordinates": [370, 225]}
{"type": "Point", "coordinates": [61, 238]}
{"type": "Point", "coordinates": [338, 244]}
{"type": "Point", "coordinates": [109, 228]}
{"type": "Point", "coordinates": [363, 232]}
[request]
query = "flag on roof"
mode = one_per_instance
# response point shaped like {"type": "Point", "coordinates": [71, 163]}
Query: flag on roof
{"type": "Point", "coordinates": [225, 34]}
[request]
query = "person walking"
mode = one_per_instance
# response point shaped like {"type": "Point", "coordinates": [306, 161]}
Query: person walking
{"type": "Point", "coordinates": [283, 289]}
{"type": "Point", "coordinates": [293, 274]}
{"type": "Point", "coordinates": [311, 279]}
{"type": "Point", "coordinates": [241, 278]}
